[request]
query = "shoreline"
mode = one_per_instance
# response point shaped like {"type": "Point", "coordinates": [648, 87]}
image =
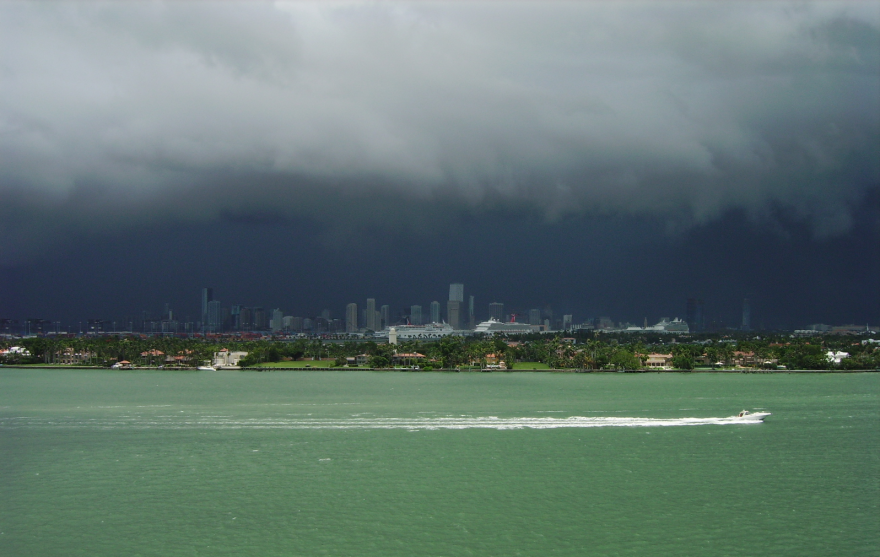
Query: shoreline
{"type": "Point", "coordinates": [454, 370]}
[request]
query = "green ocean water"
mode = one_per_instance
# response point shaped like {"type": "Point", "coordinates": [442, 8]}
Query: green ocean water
{"type": "Point", "coordinates": [355, 463]}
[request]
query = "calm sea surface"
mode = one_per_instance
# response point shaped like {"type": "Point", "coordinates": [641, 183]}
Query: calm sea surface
{"type": "Point", "coordinates": [99, 463]}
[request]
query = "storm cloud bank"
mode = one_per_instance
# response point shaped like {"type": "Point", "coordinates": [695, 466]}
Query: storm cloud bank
{"type": "Point", "coordinates": [127, 113]}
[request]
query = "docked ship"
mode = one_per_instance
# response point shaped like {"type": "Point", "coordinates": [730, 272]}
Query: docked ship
{"type": "Point", "coordinates": [664, 326]}
{"type": "Point", "coordinates": [420, 332]}
{"type": "Point", "coordinates": [493, 326]}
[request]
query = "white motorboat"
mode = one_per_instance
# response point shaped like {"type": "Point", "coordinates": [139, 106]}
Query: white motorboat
{"type": "Point", "coordinates": [206, 368]}
{"type": "Point", "coordinates": [752, 416]}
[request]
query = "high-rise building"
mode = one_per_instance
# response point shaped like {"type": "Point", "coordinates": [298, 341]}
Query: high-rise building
{"type": "Point", "coordinates": [261, 320]}
{"type": "Point", "coordinates": [225, 319]}
{"type": "Point", "coordinates": [385, 313]}
{"type": "Point", "coordinates": [472, 319]}
{"type": "Point", "coordinates": [747, 315]}
{"type": "Point", "coordinates": [277, 322]}
{"type": "Point", "coordinates": [207, 296]}
{"type": "Point", "coordinates": [170, 326]}
{"type": "Point", "coordinates": [496, 311]}
{"type": "Point", "coordinates": [214, 319]}
{"type": "Point", "coordinates": [321, 325]}
{"type": "Point", "coordinates": [566, 322]}
{"type": "Point", "coordinates": [456, 292]}
{"type": "Point", "coordinates": [351, 318]}
{"type": "Point", "coordinates": [694, 315]}
{"type": "Point", "coordinates": [235, 318]}
{"type": "Point", "coordinates": [415, 315]}
{"type": "Point", "coordinates": [370, 321]}
{"type": "Point", "coordinates": [9, 326]}
{"type": "Point", "coordinates": [453, 313]}
{"type": "Point", "coordinates": [296, 324]}
{"type": "Point", "coordinates": [534, 317]}
{"type": "Point", "coordinates": [246, 319]}
{"type": "Point", "coordinates": [435, 312]}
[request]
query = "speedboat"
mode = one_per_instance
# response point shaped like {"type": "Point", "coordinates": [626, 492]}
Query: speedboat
{"type": "Point", "coordinates": [206, 368]}
{"type": "Point", "coordinates": [752, 416]}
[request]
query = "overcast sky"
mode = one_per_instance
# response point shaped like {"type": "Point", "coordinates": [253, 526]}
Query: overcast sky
{"type": "Point", "coordinates": [604, 158]}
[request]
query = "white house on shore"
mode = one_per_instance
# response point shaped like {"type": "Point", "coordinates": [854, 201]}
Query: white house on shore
{"type": "Point", "coordinates": [659, 361]}
{"type": "Point", "coordinates": [226, 359]}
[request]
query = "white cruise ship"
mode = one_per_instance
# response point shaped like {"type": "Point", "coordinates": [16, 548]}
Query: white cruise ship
{"type": "Point", "coordinates": [420, 332]}
{"type": "Point", "coordinates": [493, 326]}
{"type": "Point", "coordinates": [664, 326]}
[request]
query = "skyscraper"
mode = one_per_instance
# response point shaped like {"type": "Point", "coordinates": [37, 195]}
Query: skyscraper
{"type": "Point", "coordinates": [456, 292]}
{"type": "Point", "coordinates": [261, 320]}
{"type": "Point", "coordinates": [213, 317]}
{"type": "Point", "coordinates": [534, 317]}
{"type": "Point", "coordinates": [235, 317]}
{"type": "Point", "coordinates": [296, 324]}
{"type": "Point", "coordinates": [371, 315]}
{"type": "Point", "coordinates": [694, 315]}
{"type": "Point", "coordinates": [277, 321]}
{"type": "Point", "coordinates": [246, 318]}
{"type": "Point", "coordinates": [351, 318]}
{"type": "Point", "coordinates": [747, 315]}
{"type": "Point", "coordinates": [385, 312]}
{"type": "Point", "coordinates": [225, 320]}
{"type": "Point", "coordinates": [496, 311]}
{"type": "Point", "coordinates": [435, 312]}
{"type": "Point", "coordinates": [453, 313]}
{"type": "Point", "coordinates": [207, 296]}
{"type": "Point", "coordinates": [415, 315]}
{"type": "Point", "coordinates": [472, 323]}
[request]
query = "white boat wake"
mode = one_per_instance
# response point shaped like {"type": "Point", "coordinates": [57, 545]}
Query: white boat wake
{"type": "Point", "coordinates": [361, 422]}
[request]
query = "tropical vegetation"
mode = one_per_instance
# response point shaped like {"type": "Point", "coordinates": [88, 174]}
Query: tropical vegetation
{"type": "Point", "coordinates": [581, 351]}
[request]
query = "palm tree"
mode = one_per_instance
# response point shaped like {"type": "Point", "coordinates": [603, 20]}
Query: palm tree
{"type": "Point", "coordinates": [725, 352]}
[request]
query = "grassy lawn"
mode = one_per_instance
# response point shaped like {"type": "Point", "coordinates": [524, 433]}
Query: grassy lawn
{"type": "Point", "coordinates": [296, 365]}
{"type": "Point", "coordinates": [530, 365]}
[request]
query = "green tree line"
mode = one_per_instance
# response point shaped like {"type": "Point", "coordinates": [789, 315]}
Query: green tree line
{"type": "Point", "coordinates": [584, 352]}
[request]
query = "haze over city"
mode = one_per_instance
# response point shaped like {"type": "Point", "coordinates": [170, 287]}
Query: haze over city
{"type": "Point", "coordinates": [598, 158]}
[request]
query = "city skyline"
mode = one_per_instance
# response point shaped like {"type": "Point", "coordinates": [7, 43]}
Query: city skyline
{"type": "Point", "coordinates": [601, 158]}
{"type": "Point", "coordinates": [232, 318]}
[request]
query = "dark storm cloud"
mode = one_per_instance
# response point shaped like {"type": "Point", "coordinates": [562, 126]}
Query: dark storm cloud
{"type": "Point", "coordinates": [360, 116]}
